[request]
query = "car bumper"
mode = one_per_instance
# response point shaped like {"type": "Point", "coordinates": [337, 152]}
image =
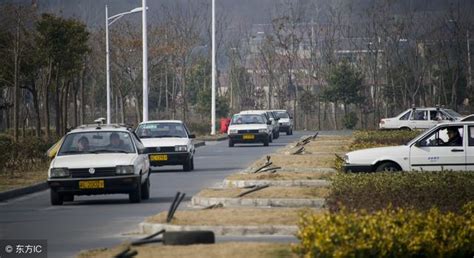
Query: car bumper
{"type": "Point", "coordinates": [122, 184]}
{"type": "Point", "coordinates": [357, 168]}
{"type": "Point", "coordinates": [257, 137]}
{"type": "Point", "coordinates": [172, 159]}
{"type": "Point", "coordinates": [285, 128]}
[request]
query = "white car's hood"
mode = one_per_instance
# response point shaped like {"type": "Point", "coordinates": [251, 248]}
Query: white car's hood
{"type": "Point", "coordinates": [248, 127]}
{"type": "Point", "coordinates": [94, 160]}
{"type": "Point", "coordinates": [372, 155]}
{"type": "Point", "coordinates": [164, 142]}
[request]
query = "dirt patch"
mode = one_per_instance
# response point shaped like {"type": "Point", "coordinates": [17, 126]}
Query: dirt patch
{"type": "Point", "coordinates": [282, 176]}
{"type": "Point", "coordinates": [234, 216]}
{"type": "Point", "coordinates": [20, 179]}
{"type": "Point", "coordinates": [230, 250]}
{"type": "Point", "coordinates": [269, 192]}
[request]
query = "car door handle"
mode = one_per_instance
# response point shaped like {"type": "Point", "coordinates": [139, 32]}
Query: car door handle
{"type": "Point", "coordinates": [457, 150]}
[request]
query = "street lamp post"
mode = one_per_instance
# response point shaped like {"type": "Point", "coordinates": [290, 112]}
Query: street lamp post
{"type": "Point", "coordinates": [109, 21]}
{"type": "Point", "coordinates": [213, 94]}
{"type": "Point", "coordinates": [145, 63]}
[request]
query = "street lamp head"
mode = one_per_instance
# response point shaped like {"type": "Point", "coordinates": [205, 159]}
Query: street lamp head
{"type": "Point", "coordinates": [138, 9]}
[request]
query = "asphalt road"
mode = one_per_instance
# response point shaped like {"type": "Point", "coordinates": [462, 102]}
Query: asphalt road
{"type": "Point", "coordinates": [106, 220]}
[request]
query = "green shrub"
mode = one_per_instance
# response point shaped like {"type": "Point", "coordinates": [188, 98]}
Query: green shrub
{"type": "Point", "coordinates": [447, 190]}
{"type": "Point", "coordinates": [350, 120]}
{"type": "Point", "coordinates": [387, 233]}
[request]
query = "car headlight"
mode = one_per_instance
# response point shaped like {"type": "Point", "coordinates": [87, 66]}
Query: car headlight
{"type": "Point", "coordinates": [124, 170]}
{"type": "Point", "coordinates": [262, 130]}
{"type": "Point", "coordinates": [233, 131]}
{"type": "Point", "coordinates": [346, 159]}
{"type": "Point", "coordinates": [181, 148]}
{"type": "Point", "coordinates": [60, 172]}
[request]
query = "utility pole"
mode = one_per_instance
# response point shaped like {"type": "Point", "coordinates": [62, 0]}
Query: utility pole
{"type": "Point", "coordinates": [213, 94]}
{"type": "Point", "coordinates": [145, 63]}
{"type": "Point", "coordinates": [469, 71]}
{"type": "Point", "coordinates": [107, 61]}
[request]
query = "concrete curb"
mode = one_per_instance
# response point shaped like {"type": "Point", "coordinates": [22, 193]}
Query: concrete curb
{"type": "Point", "coordinates": [284, 183]}
{"type": "Point", "coordinates": [261, 202]}
{"type": "Point", "coordinates": [23, 191]}
{"type": "Point", "coordinates": [240, 230]}
{"type": "Point", "coordinates": [198, 144]}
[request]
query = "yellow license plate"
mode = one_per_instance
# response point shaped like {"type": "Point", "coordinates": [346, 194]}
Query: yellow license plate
{"type": "Point", "coordinates": [161, 157]}
{"type": "Point", "coordinates": [249, 137]}
{"type": "Point", "coordinates": [96, 184]}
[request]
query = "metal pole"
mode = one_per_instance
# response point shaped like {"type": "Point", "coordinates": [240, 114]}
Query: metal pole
{"type": "Point", "coordinates": [213, 105]}
{"type": "Point", "coordinates": [469, 65]}
{"type": "Point", "coordinates": [145, 63]}
{"type": "Point", "coordinates": [107, 62]}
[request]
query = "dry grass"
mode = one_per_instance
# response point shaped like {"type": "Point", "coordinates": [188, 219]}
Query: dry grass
{"type": "Point", "coordinates": [281, 176]}
{"type": "Point", "coordinates": [269, 192]}
{"type": "Point", "coordinates": [229, 250]}
{"type": "Point", "coordinates": [19, 179]}
{"type": "Point", "coordinates": [234, 216]}
{"type": "Point", "coordinates": [300, 161]}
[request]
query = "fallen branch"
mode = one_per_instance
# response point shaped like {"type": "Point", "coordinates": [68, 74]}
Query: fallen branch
{"type": "Point", "coordinates": [300, 150]}
{"type": "Point", "coordinates": [262, 167]}
{"type": "Point", "coordinates": [253, 190]}
{"type": "Point", "coordinates": [268, 169]}
{"type": "Point", "coordinates": [214, 206]}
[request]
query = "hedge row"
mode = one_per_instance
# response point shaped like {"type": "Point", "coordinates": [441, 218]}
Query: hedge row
{"type": "Point", "coordinates": [25, 154]}
{"type": "Point", "coordinates": [387, 233]}
{"type": "Point", "coordinates": [446, 190]}
{"type": "Point", "coordinates": [395, 137]}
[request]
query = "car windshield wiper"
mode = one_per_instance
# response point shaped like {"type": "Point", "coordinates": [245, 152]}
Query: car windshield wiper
{"type": "Point", "coordinates": [72, 152]}
{"type": "Point", "coordinates": [108, 151]}
{"type": "Point", "coordinates": [169, 136]}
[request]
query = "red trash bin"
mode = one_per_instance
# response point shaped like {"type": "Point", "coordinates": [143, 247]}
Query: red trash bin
{"type": "Point", "coordinates": [224, 125]}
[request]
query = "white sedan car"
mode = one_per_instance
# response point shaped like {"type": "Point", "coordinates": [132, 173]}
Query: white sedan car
{"type": "Point", "coordinates": [448, 146]}
{"type": "Point", "coordinates": [168, 142]}
{"type": "Point", "coordinates": [99, 159]}
{"type": "Point", "coordinates": [419, 118]}
{"type": "Point", "coordinates": [249, 128]}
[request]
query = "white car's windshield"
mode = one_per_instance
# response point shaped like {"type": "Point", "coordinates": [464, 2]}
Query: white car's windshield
{"type": "Point", "coordinates": [452, 113]}
{"type": "Point", "coordinates": [161, 130]}
{"type": "Point", "coordinates": [97, 142]}
{"type": "Point", "coordinates": [248, 119]}
{"type": "Point", "coordinates": [281, 114]}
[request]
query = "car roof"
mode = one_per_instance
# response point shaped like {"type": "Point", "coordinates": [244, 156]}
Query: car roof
{"type": "Point", "coordinates": [253, 112]}
{"type": "Point", "coordinates": [457, 123]}
{"type": "Point", "coordinates": [428, 108]}
{"type": "Point", "coordinates": [103, 127]}
{"type": "Point", "coordinates": [162, 121]}
{"type": "Point", "coordinates": [279, 110]}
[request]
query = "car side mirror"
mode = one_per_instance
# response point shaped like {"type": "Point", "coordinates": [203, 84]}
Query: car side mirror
{"type": "Point", "coordinates": [278, 119]}
{"type": "Point", "coordinates": [142, 151]}
{"type": "Point", "coordinates": [269, 122]}
{"type": "Point", "coordinates": [291, 117]}
{"type": "Point", "coordinates": [192, 136]}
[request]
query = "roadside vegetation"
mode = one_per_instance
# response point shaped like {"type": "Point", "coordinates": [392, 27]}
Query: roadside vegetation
{"type": "Point", "coordinates": [22, 162]}
{"type": "Point", "coordinates": [387, 233]}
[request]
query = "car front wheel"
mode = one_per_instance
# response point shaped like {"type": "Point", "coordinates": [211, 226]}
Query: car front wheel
{"type": "Point", "coordinates": [187, 166]}
{"type": "Point", "coordinates": [231, 143]}
{"type": "Point", "coordinates": [135, 196]}
{"type": "Point", "coordinates": [387, 167]}
{"type": "Point", "coordinates": [146, 189]}
{"type": "Point", "coordinates": [56, 198]}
